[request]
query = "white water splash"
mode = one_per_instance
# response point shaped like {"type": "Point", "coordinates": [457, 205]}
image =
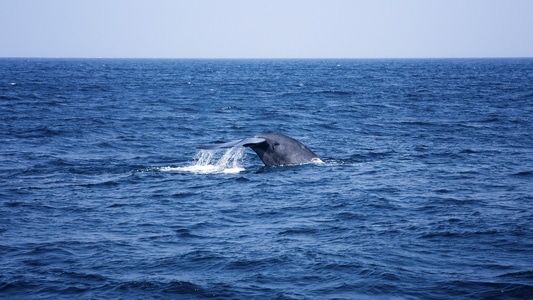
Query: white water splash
{"type": "Point", "coordinates": [211, 162]}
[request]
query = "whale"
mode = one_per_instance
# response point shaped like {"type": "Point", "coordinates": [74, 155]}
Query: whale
{"type": "Point", "coordinates": [273, 149]}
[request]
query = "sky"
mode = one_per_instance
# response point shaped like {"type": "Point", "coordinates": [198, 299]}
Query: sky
{"type": "Point", "coordinates": [266, 28]}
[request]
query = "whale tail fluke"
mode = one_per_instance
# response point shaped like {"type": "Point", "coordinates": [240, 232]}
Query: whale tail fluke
{"type": "Point", "coordinates": [244, 142]}
{"type": "Point", "coordinates": [272, 149]}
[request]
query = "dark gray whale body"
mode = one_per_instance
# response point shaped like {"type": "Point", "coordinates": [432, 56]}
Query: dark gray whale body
{"type": "Point", "coordinates": [273, 149]}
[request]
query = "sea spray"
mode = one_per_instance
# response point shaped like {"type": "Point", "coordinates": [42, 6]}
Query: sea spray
{"type": "Point", "coordinates": [214, 161]}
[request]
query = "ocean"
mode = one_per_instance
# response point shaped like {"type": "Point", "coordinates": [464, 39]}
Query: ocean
{"type": "Point", "coordinates": [425, 190]}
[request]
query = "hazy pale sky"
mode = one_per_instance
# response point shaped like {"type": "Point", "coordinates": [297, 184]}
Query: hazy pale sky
{"type": "Point", "coordinates": [266, 28]}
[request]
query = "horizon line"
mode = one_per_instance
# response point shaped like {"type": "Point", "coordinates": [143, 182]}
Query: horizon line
{"type": "Point", "coordinates": [265, 58]}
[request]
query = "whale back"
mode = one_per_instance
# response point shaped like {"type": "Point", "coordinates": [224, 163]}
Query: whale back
{"type": "Point", "coordinates": [278, 150]}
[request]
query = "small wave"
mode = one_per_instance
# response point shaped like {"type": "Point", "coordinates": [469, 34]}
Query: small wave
{"type": "Point", "coordinates": [39, 132]}
{"type": "Point", "coordinates": [210, 162]}
{"type": "Point", "coordinates": [107, 183]}
{"type": "Point", "coordinates": [524, 174]}
{"type": "Point", "coordinates": [521, 274]}
{"type": "Point", "coordinates": [325, 93]}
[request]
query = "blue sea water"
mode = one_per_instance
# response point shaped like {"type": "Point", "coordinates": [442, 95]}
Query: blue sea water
{"type": "Point", "coordinates": [425, 191]}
